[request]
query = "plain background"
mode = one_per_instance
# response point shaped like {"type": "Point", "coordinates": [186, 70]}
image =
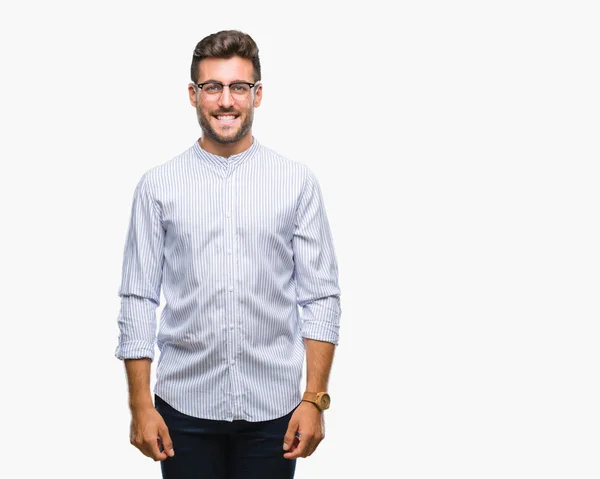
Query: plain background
{"type": "Point", "coordinates": [457, 148]}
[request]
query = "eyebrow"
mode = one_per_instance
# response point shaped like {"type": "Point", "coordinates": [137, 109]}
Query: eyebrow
{"type": "Point", "coordinates": [219, 81]}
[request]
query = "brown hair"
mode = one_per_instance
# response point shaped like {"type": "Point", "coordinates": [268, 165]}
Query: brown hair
{"type": "Point", "coordinates": [226, 44]}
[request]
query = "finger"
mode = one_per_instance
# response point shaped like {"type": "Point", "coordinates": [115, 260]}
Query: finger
{"type": "Point", "coordinates": [295, 443]}
{"type": "Point", "coordinates": [165, 439]}
{"type": "Point", "coordinates": [139, 444]}
{"type": "Point", "coordinates": [302, 448]}
{"type": "Point", "coordinates": [151, 446]}
{"type": "Point", "coordinates": [288, 438]}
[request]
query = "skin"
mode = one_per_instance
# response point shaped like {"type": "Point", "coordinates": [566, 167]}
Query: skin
{"type": "Point", "coordinates": [148, 429]}
{"type": "Point", "coordinates": [307, 419]}
{"type": "Point", "coordinates": [218, 137]}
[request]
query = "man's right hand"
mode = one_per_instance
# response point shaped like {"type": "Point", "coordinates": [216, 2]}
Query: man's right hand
{"type": "Point", "coordinates": [148, 430]}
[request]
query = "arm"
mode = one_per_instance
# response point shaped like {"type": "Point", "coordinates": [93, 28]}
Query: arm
{"type": "Point", "coordinates": [148, 431]}
{"type": "Point", "coordinates": [307, 419]}
{"type": "Point", "coordinates": [140, 296]}
{"type": "Point", "coordinates": [141, 276]}
{"type": "Point", "coordinates": [315, 267]}
{"type": "Point", "coordinates": [138, 382]}
{"type": "Point", "coordinates": [318, 294]}
{"type": "Point", "coordinates": [319, 358]}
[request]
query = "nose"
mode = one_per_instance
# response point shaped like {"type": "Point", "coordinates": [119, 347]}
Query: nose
{"type": "Point", "coordinates": [226, 100]}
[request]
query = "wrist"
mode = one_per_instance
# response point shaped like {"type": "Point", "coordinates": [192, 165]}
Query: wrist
{"type": "Point", "coordinates": [139, 404]}
{"type": "Point", "coordinates": [312, 405]}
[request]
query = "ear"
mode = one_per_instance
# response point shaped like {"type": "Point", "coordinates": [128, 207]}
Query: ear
{"type": "Point", "coordinates": [192, 92]}
{"type": "Point", "coordinates": [258, 95]}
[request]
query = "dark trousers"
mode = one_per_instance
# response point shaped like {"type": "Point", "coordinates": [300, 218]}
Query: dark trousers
{"type": "Point", "coordinates": [208, 449]}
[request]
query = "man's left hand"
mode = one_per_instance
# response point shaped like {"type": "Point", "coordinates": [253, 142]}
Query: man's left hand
{"type": "Point", "coordinates": [308, 422]}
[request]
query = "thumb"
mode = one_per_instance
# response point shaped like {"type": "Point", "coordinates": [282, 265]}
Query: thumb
{"type": "Point", "coordinates": [288, 439]}
{"type": "Point", "coordinates": [165, 438]}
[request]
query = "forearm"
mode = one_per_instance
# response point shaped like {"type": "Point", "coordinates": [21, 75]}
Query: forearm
{"type": "Point", "coordinates": [138, 380]}
{"type": "Point", "coordinates": [319, 359]}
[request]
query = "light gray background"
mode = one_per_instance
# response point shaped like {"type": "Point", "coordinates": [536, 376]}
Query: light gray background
{"type": "Point", "coordinates": [457, 148]}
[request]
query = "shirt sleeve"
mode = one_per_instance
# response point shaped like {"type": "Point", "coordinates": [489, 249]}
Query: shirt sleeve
{"type": "Point", "coordinates": [315, 266]}
{"type": "Point", "coordinates": [141, 277]}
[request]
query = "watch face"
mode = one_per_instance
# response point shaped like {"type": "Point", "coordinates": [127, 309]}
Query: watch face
{"type": "Point", "coordinates": [325, 401]}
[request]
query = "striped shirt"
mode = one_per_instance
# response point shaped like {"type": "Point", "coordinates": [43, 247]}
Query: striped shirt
{"type": "Point", "coordinates": [243, 252]}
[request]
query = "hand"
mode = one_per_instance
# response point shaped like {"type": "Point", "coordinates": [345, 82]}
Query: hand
{"type": "Point", "coordinates": [148, 430]}
{"type": "Point", "coordinates": [307, 420]}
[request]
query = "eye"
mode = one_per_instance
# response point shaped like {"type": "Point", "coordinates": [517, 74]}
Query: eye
{"type": "Point", "coordinates": [239, 87]}
{"type": "Point", "coordinates": [212, 88]}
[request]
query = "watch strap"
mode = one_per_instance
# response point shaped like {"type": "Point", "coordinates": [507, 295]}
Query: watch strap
{"type": "Point", "coordinates": [309, 396]}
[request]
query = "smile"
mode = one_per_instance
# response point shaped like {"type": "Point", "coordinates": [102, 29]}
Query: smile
{"type": "Point", "coordinates": [226, 119]}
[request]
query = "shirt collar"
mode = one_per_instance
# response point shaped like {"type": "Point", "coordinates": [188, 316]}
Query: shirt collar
{"type": "Point", "coordinates": [221, 161]}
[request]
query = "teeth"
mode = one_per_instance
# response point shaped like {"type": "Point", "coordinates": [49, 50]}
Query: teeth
{"type": "Point", "coordinates": [226, 118]}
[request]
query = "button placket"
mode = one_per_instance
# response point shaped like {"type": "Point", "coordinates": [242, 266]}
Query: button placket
{"type": "Point", "coordinates": [234, 331]}
{"type": "Point", "coordinates": [229, 242]}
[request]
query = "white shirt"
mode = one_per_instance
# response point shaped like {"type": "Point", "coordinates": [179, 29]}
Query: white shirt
{"type": "Point", "coordinates": [237, 245]}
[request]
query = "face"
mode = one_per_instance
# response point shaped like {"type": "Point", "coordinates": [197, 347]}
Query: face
{"type": "Point", "coordinates": [225, 120]}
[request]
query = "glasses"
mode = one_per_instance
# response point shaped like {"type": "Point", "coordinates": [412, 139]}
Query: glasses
{"type": "Point", "coordinates": [238, 89]}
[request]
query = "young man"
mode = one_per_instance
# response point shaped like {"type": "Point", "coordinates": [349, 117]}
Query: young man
{"type": "Point", "coordinates": [237, 237]}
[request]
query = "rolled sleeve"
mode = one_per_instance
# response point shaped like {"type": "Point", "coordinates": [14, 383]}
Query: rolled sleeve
{"type": "Point", "coordinates": [315, 266]}
{"type": "Point", "coordinates": [141, 276]}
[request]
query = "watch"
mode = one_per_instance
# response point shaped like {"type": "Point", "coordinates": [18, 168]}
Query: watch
{"type": "Point", "coordinates": [321, 399]}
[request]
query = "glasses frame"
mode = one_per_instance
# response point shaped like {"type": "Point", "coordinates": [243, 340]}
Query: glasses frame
{"type": "Point", "coordinates": [200, 85]}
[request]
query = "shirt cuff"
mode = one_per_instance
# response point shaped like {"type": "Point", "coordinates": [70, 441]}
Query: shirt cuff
{"type": "Point", "coordinates": [321, 322]}
{"type": "Point", "coordinates": [135, 350]}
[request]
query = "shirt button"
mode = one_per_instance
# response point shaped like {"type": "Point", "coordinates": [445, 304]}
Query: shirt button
{"type": "Point", "coordinates": [229, 251]}
{"type": "Point", "coordinates": [230, 288]}
{"type": "Point", "coordinates": [232, 363]}
{"type": "Point", "coordinates": [228, 214]}
{"type": "Point", "coordinates": [231, 326]}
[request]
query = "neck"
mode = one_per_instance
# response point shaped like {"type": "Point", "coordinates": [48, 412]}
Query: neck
{"type": "Point", "coordinates": [225, 149]}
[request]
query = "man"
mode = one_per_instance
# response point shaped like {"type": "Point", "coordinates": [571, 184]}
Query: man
{"type": "Point", "coordinates": [237, 237]}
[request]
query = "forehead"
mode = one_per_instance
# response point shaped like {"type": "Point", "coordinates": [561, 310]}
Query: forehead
{"type": "Point", "coordinates": [225, 69]}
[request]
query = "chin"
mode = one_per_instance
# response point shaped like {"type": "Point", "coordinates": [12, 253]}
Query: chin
{"type": "Point", "coordinates": [226, 140]}
{"type": "Point", "coordinates": [229, 136]}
